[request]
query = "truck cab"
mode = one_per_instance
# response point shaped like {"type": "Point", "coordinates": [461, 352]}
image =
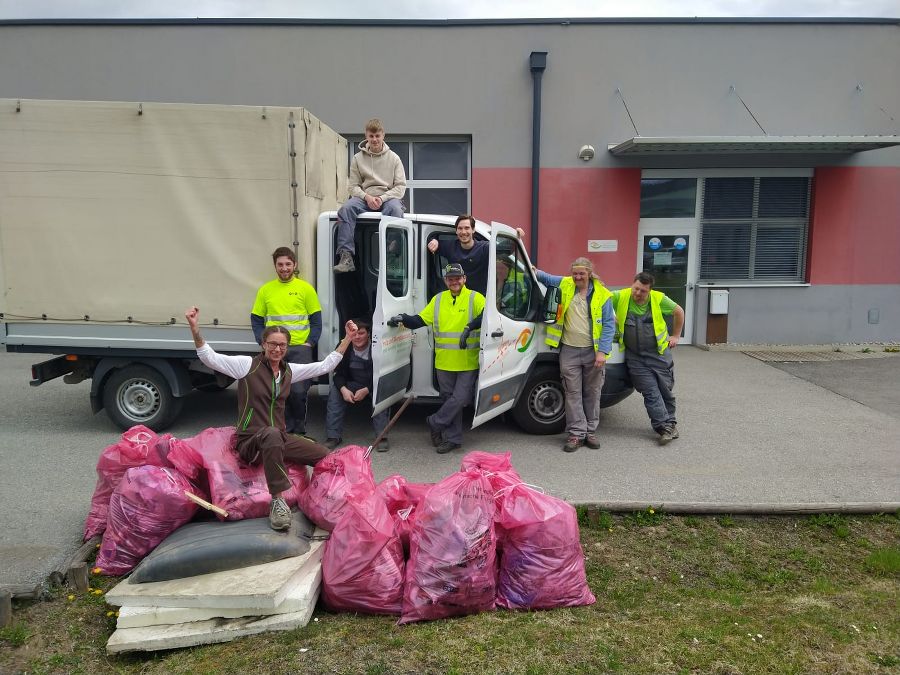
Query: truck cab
{"type": "Point", "coordinates": [395, 273]}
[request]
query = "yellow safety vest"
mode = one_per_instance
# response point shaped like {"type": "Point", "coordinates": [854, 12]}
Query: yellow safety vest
{"type": "Point", "coordinates": [448, 319]}
{"type": "Point", "coordinates": [599, 297]}
{"type": "Point", "coordinates": [288, 304]}
{"type": "Point", "coordinates": [660, 330]}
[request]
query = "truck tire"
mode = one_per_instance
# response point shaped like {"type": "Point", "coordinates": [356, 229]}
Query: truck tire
{"type": "Point", "coordinates": [541, 408]}
{"type": "Point", "coordinates": [140, 395]}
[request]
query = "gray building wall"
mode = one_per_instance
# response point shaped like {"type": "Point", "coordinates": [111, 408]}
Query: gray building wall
{"type": "Point", "coordinates": [465, 78]}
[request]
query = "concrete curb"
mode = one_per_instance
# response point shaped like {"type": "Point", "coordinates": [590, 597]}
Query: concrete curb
{"type": "Point", "coordinates": [759, 509]}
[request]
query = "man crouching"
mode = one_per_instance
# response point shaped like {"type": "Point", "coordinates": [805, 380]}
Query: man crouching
{"type": "Point", "coordinates": [264, 382]}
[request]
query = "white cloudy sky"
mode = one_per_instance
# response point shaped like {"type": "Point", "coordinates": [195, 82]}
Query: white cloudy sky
{"type": "Point", "coordinates": [443, 9]}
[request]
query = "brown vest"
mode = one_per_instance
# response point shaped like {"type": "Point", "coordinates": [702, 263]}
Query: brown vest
{"type": "Point", "coordinates": [260, 398]}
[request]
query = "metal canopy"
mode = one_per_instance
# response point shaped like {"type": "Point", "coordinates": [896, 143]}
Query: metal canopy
{"type": "Point", "coordinates": [731, 145]}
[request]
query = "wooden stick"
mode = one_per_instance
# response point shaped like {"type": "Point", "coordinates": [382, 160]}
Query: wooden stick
{"type": "Point", "coordinates": [205, 504]}
{"type": "Point", "coordinates": [5, 610]}
{"type": "Point", "coordinates": [390, 424]}
{"type": "Point", "coordinates": [78, 576]}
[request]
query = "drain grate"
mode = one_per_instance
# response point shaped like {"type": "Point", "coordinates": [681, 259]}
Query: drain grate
{"type": "Point", "coordinates": [800, 357]}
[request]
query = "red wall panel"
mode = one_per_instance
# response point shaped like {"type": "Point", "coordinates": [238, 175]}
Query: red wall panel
{"type": "Point", "coordinates": [575, 205]}
{"type": "Point", "coordinates": [855, 228]}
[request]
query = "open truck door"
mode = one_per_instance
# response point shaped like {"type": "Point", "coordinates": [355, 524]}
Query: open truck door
{"type": "Point", "coordinates": [392, 347]}
{"type": "Point", "coordinates": [508, 325]}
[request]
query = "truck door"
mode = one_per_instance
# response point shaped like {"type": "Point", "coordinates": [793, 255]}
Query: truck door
{"type": "Point", "coordinates": [392, 347]}
{"type": "Point", "coordinates": [508, 325]}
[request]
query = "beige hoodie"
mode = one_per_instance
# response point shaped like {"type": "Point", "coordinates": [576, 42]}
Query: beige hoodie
{"type": "Point", "coordinates": [379, 175]}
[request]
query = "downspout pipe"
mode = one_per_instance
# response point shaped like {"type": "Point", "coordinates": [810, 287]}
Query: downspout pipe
{"type": "Point", "coordinates": [538, 64]}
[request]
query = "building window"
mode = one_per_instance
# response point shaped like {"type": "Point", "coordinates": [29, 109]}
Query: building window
{"type": "Point", "coordinates": [438, 172]}
{"type": "Point", "coordinates": [754, 228]}
{"type": "Point", "coordinates": [668, 197]}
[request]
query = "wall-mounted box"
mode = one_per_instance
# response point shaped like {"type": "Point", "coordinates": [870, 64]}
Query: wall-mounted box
{"type": "Point", "coordinates": [718, 301]}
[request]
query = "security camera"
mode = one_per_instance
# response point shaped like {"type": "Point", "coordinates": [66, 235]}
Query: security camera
{"type": "Point", "coordinates": [586, 153]}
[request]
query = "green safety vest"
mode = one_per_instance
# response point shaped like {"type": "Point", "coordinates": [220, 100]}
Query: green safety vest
{"type": "Point", "coordinates": [600, 296]}
{"type": "Point", "coordinates": [513, 292]}
{"type": "Point", "coordinates": [288, 304]}
{"type": "Point", "coordinates": [623, 298]}
{"type": "Point", "coordinates": [448, 319]}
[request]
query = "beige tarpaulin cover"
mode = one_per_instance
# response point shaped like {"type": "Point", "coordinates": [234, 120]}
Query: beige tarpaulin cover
{"type": "Point", "coordinates": [110, 213]}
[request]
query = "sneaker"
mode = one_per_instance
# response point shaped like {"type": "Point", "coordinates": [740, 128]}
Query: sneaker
{"type": "Point", "coordinates": [279, 514]}
{"type": "Point", "coordinates": [447, 446]}
{"type": "Point", "coordinates": [332, 443]}
{"type": "Point", "coordinates": [674, 431]}
{"type": "Point", "coordinates": [345, 264]}
{"type": "Point", "coordinates": [573, 443]}
{"type": "Point", "coordinates": [383, 445]}
{"type": "Point", "coordinates": [436, 436]}
{"type": "Point", "coordinates": [592, 441]}
{"type": "Point", "coordinates": [665, 436]}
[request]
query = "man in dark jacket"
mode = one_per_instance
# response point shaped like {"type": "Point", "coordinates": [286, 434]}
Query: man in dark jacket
{"type": "Point", "coordinates": [352, 384]}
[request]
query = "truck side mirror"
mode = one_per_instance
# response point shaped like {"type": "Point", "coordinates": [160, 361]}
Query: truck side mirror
{"type": "Point", "coordinates": [550, 306]}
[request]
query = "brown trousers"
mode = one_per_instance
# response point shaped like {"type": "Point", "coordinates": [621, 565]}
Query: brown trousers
{"type": "Point", "coordinates": [273, 447]}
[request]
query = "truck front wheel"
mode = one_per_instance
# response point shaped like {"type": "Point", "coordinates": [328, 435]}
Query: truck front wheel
{"type": "Point", "coordinates": [541, 408]}
{"type": "Point", "coordinates": [140, 395]}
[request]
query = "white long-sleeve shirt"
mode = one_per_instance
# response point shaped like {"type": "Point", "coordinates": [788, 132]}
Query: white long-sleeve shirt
{"type": "Point", "coordinates": [238, 365]}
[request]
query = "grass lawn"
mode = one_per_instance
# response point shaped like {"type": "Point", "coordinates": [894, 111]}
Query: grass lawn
{"type": "Point", "coordinates": [674, 595]}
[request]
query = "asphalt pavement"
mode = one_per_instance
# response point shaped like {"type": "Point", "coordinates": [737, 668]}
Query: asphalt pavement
{"type": "Point", "coordinates": [752, 433]}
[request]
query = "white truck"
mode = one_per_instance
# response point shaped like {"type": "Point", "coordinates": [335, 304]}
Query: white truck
{"type": "Point", "coordinates": [115, 216]}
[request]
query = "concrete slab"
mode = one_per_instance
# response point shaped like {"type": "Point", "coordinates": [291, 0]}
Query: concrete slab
{"type": "Point", "coordinates": [297, 599]}
{"type": "Point", "coordinates": [257, 587]}
{"type": "Point", "coordinates": [175, 636]}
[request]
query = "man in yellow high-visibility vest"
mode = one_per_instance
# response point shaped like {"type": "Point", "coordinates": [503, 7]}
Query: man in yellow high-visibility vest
{"type": "Point", "coordinates": [292, 303]}
{"type": "Point", "coordinates": [583, 332]}
{"type": "Point", "coordinates": [645, 339]}
{"type": "Point", "coordinates": [455, 318]}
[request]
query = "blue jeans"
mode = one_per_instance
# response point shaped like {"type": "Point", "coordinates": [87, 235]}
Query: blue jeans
{"type": "Point", "coordinates": [337, 410]}
{"type": "Point", "coordinates": [348, 213]}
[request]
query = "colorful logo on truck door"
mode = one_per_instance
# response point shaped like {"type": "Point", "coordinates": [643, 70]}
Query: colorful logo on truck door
{"type": "Point", "coordinates": [524, 339]}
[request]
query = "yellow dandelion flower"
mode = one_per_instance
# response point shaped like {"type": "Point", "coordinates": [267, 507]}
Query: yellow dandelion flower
{"type": "Point", "coordinates": [651, 511]}
{"type": "Point", "coordinates": [109, 614]}
{"type": "Point", "coordinates": [96, 570]}
{"type": "Point", "coordinates": [98, 592]}
{"type": "Point", "coordinates": [71, 597]}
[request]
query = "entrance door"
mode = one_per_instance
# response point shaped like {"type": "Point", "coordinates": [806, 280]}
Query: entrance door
{"type": "Point", "coordinates": [668, 251]}
{"type": "Point", "coordinates": [391, 347]}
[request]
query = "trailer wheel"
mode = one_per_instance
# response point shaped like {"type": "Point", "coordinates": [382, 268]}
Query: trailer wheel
{"type": "Point", "coordinates": [541, 408]}
{"type": "Point", "coordinates": [140, 395]}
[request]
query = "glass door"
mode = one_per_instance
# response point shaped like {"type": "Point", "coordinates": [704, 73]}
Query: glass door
{"type": "Point", "coordinates": [668, 250]}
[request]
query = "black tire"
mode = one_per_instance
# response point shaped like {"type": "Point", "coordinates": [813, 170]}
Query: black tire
{"type": "Point", "coordinates": [140, 395]}
{"type": "Point", "coordinates": [541, 408]}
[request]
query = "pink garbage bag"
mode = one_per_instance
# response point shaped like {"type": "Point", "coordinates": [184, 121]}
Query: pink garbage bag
{"type": "Point", "coordinates": [137, 446]}
{"type": "Point", "coordinates": [402, 499]}
{"type": "Point", "coordinates": [452, 569]}
{"type": "Point", "coordinates": [145, 508]}
{"type": "Point", "coordinates": [363, 564]}
{"type": "Point", "coordinates": [541, 564]}
{"type": "Point", "coordinates": [338, 477]}
{"type": "Point", "coordinates": [237, 487]}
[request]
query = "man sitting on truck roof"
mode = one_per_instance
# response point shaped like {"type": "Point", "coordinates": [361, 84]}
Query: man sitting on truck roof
{"type": "Point", "coordinates": [264, 383]}
{"type": "Point", "coordinates": [377, 183]}
{"type": "Point", "coordinates": [453, 314]}
{"type": "Point", "coordinates": [291, 302]}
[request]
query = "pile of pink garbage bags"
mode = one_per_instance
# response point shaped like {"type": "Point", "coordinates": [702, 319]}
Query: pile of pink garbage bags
{"type": "Point", "coordinates": [478, 539]}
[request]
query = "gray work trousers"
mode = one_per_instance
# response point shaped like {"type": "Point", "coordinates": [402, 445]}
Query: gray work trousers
{"type": "Point", "coordinates": [337, 410]}
{"type": "Point", "coordinates": [654, 378]}
{"type": "Point", "coordinates": [295, 405]}
{"type": "Point", "coordinates": [583, 383]}
{"type": "Point", "coordinates": [457, 389]}
{"type": "Point", "coordinates": [349, 212]}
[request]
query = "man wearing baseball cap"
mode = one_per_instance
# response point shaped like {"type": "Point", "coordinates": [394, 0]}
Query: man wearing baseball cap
{"type": "Point", "coordinates": [454, 316]}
